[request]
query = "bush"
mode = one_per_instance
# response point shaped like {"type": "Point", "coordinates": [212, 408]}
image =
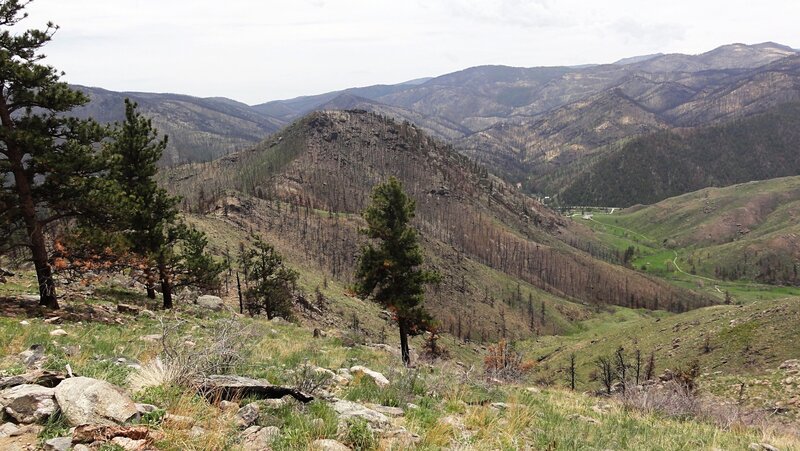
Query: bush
{"type": "Point", "coordinates": [359, 435]}
{"type": "Point", "coordinates": [503, 362]}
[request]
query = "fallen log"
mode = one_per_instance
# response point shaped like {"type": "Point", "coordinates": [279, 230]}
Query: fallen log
{"type": "Point", "coordinates": [217, 388]}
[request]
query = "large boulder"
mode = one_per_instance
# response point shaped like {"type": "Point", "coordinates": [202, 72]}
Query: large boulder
{"type": "Point", "coordinates": [28, 403]}
{"type": "Point", "coordinates": [211, 302]}
{"type": "Point", "coordinates": [228, 387]}
{"type": "Point", "coordinates": [84, 400]}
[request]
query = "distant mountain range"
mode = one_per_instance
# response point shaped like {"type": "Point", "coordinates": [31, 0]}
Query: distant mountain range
{"type": "Point", "coordinates": [527, 124]}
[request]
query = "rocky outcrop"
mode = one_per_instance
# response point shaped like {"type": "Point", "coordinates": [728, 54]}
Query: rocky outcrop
{"type": "Point", "coordinates": [28, 403]}
{"type": "Point", "coordinates": [377, 377]}
{"type": "Point", "coordinates": [85, 400]}
{"type": "Point", "coordinates": [257, 438]}
{"type": "Point", "coordinates": [210, 302]}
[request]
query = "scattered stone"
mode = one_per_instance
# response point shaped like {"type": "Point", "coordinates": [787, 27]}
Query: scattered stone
{"type": "Point", "coordinates": [762, 447]}
{"type": "Point", "coordinates": [228, 405]}
{"type": "Point", "coordinates": [24, 322]}
{"type": "Point", "coordinates": [499, 405]}
{"type": "Point", "coordinates": [91, 433]}
{"type": "Point", "coordinates": [129, 444]}
{"type": "Point", "coordinates": [197, 432]}
{"type": "Point", "coordinates": [533, 390]}
{"type": "Point", "coordinates": [386, 410]}
{"type": "Point", "coordinates": [52, 320]}
{"type": "Point", "coordinates": [58, 333]}
{"type": "Point", "coordinates": [128, 309]}
{"type": "Point", "coordinates": [401, 439]}
{"type": "Point", "coordinates": [145, 408]}
{"type": "Point", "coordinates": [412, 406]}
{"type": "Point", "coordinates": [32, 357]}
{"type": "Point", "coordinates": [8, 429]}
{"type": "Point", "coordinates": [81, 447]}
{"type": "Point", "coordinates": [210, 302]}
{"type": "Point", "coordinates": [379, 378]}
{"type": "Point", "coordinates": [28, 403]}
{"type": "Point", "coordinates": [256, 438]}
{"type": "Point", "coordinates": [273, 404]}
{"type": "Point", "coordinates": [584, 418]}
{"type": "Point", "coordinates": [247, 415]}
{"type": "Point", "coordinates": [151, 338]}
{"type": "Point", "coordinates": [58, 444]}
{"type": "Point", "coordinates": [328, 445]}
{"type": "Point", "coordinates": [84, 400]}
{"type": "Point", "coordinates": [349, 409]}
{"type": "Point", "coordinates": [179, 422]}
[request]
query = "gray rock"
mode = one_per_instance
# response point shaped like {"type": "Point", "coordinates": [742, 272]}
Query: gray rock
{"type": "Point", "coordinates": [58, 444]}
{"type": "Point", "coordinates": [379, 378]}
{"type": "Point", "coordinates": [386, 410]}
{"type": "Point", "coordinates": [8, 429]}
{"type": "Point", "coordinates": [247, 415]}
{"type": "Point", "coordinates": [349, 409]}
{"type": "Point", "coordinates": [197, 432]}
{"type": "Point", "coordinates": [129, 444]}
{"type": "Point", "coordinates": [211, 302]}
{"type": "Point", "coordinates": [58, 333]}
{"type": "Point", "coordinates": [256, 438]}
{"type": "Point", "coordinates": [28, 403]}
{"type": "Point", "coordinates": [328, 445]}
{"type": "Point", "coordinates": [84, 400]}
{"type": "Point", "coordinates": [33, 357]}
{"type": "Point", "coordinates": [145, 408]}
{"type": "Point", "coordinates": [180, 422]}
{"type": "Point", "coordinates": [81, 447]}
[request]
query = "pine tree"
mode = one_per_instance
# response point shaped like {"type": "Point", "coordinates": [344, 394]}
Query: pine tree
{"type": "Point", "coordinates": [150, 222]}
{"type": "Point", "coordinates": [49, 163]}
{"type": "Point", "coordinates": [389, 270]}
{"type": "Point", "coordinates": [271, 283]}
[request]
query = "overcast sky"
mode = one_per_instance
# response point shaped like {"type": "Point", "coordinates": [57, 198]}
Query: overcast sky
{"type": "Point", "coordinates": [254, 51]}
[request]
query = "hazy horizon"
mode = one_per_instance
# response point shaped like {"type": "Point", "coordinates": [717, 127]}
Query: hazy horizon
{"type": "Point", "coordinates": [255, 52]}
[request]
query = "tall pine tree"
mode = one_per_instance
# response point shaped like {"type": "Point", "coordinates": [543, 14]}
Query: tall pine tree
{"type": "Point", "coordinates": [389, 270]}
{"type": "Point", "coordinates": [50, 167]}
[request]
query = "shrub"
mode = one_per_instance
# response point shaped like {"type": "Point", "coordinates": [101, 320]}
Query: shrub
{"type": "Point", "coordinates": [503, 362]}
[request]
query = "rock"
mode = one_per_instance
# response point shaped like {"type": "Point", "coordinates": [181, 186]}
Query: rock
{"type": "Point", "coordinates": [379, 378]}
{"type": "Point", "coordinates": [349, 409]}
{"type": "Point", "coordinates": [58, 333]}
{"type": "Point", "coordinates": [58, 444]}
{"type": "Point", "coordinates": [762, 447]}
{"type": "Point", "coordinates": [533, 390]}
{"type": "Point", "coordinates": [273, 404]}
{"type": "Point", "coordinates": [147, 313]}
{"type": "Point", "coordinates": [128, 309]}
{"type": "Point", "coordinates": [145, 408]}
{"type": "Point", "coordinates": [179, 422]}
{"type": "Point", "coordinates": [84, 400]}
{"type": "Point", "coordinates": [187, 295]}
{"type": "Point", "coordinates": [81, 447]}
{"type": "Point", "coordinates": [412, 406]}
{"type": "Point", "coordinates": [228, 387]}
{"type": "Point", "coordinates": [256, 438]}
{"type": "Point", "coordinates": [210, 302]}
{"type": "Point", "coordinates": [129, 444]}
{"type": "Point", "coordinates": [151, 338]}
{"type": "Point", "coordinates": [328, 445]}
{"type": "Point", "coordinates": [197, 432]}
{"type": "Point", "coordinates": [401, 439]}
{"type": "Point", "coordinates": [38, 377]}
{"type": "Point", "coordinates": [583, 418]}
{"type": "Point", "coordinates": [247, 415]}
{"type": "Point", "coordinates": [90, 433]}
{"type": "Point", "coordinates": [386, 410]}
{"type": "Point", "coordinates": [8, 429]}
{"type": "Point", "coordinates": [24, 322]}
{"type": "Point", "coordinates": [33, 357]}
{"type": "Point", "coordinates": [229, 405]}
{"type": "Point", "coordinates": [28, 403]}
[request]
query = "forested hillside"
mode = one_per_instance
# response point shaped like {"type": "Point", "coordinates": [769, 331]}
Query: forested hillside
{"type": "Point", "coordinates": [668, 163]}
{"type": "Point", "coordinates": [306, 186]}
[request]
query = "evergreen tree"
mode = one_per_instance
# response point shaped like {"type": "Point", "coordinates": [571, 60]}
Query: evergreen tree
{"type": "Point", "coordinates": [389, 270]}
{"type": "Point", "coordinates": [49, 164]}
{"type": "Point", "coordinates": [271, 283]}
{"type": "Point", "coordinates": [150, 221]}
{"type": "Point", "coordinates": [196, 267]}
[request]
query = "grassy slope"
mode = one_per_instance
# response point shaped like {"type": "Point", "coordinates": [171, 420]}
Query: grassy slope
{"type": "Point", "coordinates": [543, 420]}
{"type": "Point", "coordinates": [716, 231]}
{"type": "Point", "coordinates": [747, 343]}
